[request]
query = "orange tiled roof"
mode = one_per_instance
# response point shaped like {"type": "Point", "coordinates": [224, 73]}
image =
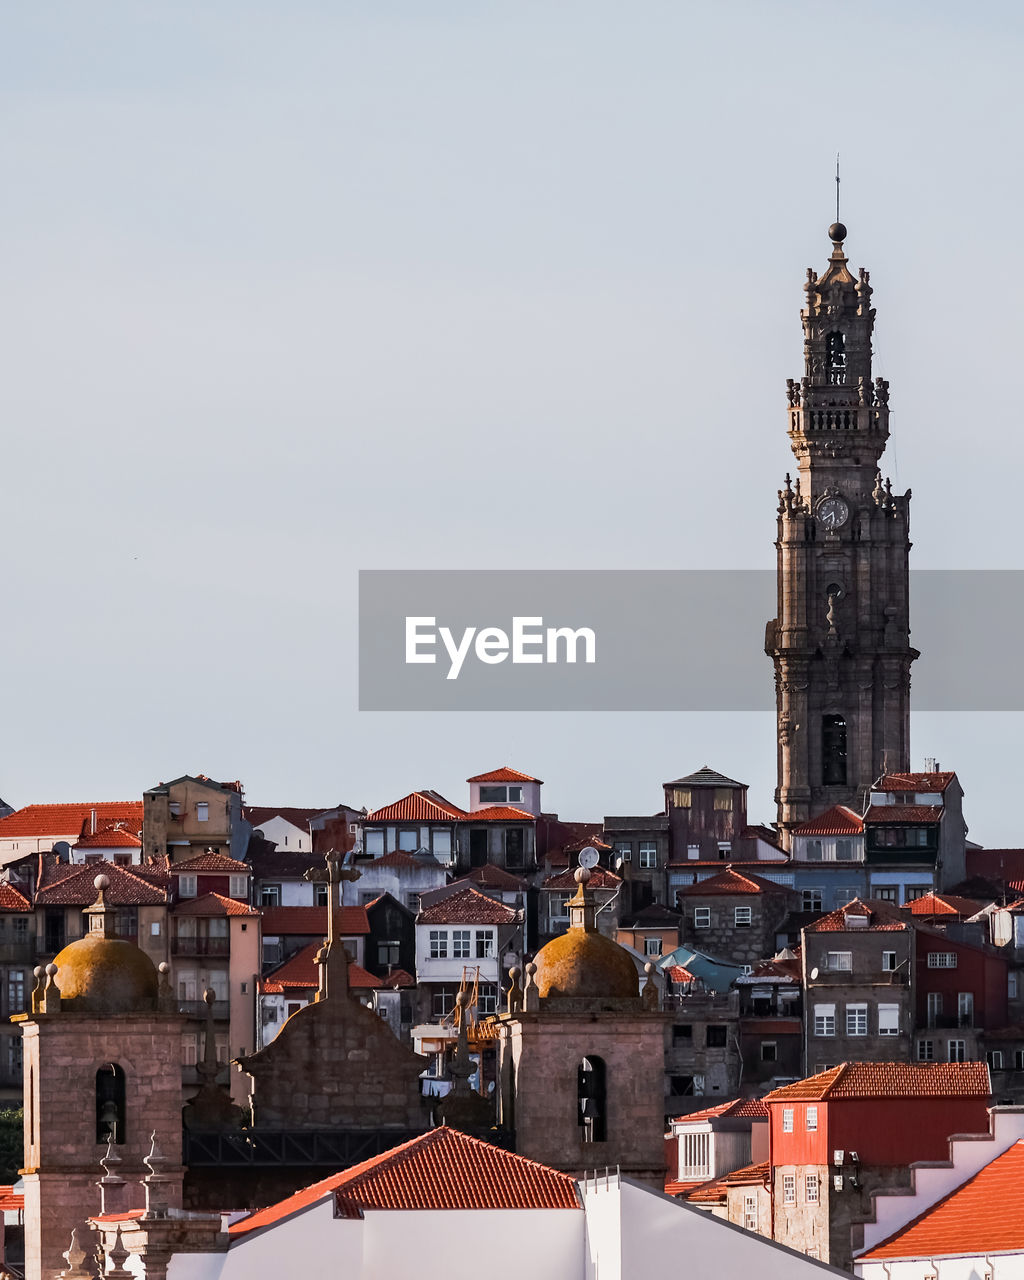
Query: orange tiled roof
{"type": "Point", "coordinates": [214, 904]}
{"type": "Point", "coordinates": [984, 1216]}
{"type": "Point", "coordinates": [943, 904]}
{"type": "Point", "coordinates": [600, 878]}
{"type": "Point", "coordinates": [12, 900]}
{"type": "Point", "coordinates": [674, 1188]}
{"type": "Point", "coordinates": [210, 860]}
{"type": "Point", "coordinates": [504, 774]}
{"type": "Point", "coordinates": [713, 1192]}
{"type": "Point", "coordinates": [468, 906]}
{"type": "Point", "coordinates": [731, 881]}
{"type": "Point", "coordinates": [398, 978]}
{"type": "Point", "coordinates": [882, 916]}
{"type": "Point", "coordinates": [442, 1169]}
{"type": "Point", "coordinates": [837, 821]}
{"type": "Point", "coordinates": [109, 838]}
{"type": "Point", "coordinates": [738, 1107]}
{"type": "Point", "coordinates": [916, 782]}
{"type": "Point", "coordinates": [69, 819]}
{"type": "Point", "coordinates": [890, 1080]}
{"type": "Point", "coordinates": [127, 887]}
{"type": "Point", "coordinates": [500, 813]}
{"type": "Point", "coordinates": [676, 973]}
{"type": "Point", "coordinates": [887, 815]}
{"type": "Point", "coordinates": [419, 806]}
{"type": "Point", "coordinates": [312, 921]}
{"type": "Point", "coordinates": [300, 971]}
{"type": "Point", "coordinates": [492, 877]}
{"type": "Point", "coordinates": [10, 1200]}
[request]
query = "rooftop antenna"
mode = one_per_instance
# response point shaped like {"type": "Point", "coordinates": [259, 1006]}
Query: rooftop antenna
{"type": "Point", "coordinates": [837, 186]}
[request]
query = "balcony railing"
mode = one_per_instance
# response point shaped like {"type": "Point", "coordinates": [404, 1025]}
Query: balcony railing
{"type": "Point", "coordinates": [197, 1009]}
{"type": "Point", "coordinates": [200, 946]}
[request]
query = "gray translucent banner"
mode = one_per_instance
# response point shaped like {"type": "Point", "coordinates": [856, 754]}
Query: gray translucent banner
{"type": "Point", "coordinates": [658, 640]}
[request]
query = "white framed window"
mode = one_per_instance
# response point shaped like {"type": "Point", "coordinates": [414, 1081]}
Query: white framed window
{"type": "Point", "coordinates": [202, 812]}
{"type": "Point", "coordinates": [460, 944]}
{"type": "Point", "coordinates": [995, 1059]}
{"type": "Point", "coordinates": [825, 1020]}
{"type": "Point", "coordinates": [844, 850]}
{"type": "Point", "coordinates": [187, 886]}
{"type": "Point", "coordinates": [694, 1156]}
{"type": "Point", "coordinates": [652, 946]}
{"type": "Point", "coordinates": [856, 1019]}
{"type": "Point", "coordinates": [724, 849]}
{"type": "Point", "coordinates": [515, 795]}
{"type": "Point", "coordinates": [189, 1048]}
{"type": "Point", "coordinates": [813, 850]}
{"type": "Point", "coordinates": [750, 1212]}
{"type": "Point", "coordinates": [648, 853]}
{"type": "Point", "coordinates": [702, 917]}
{"type": "Point", "coordinates": [238, 886]}
{"type": "Point", "coordinates": [373, 841]}
{"type": "Point", "coordinates": [789, 1188]}
{"type": "Point", "coordinates": [787, 1120]}
{"type": "Point", "coordinates": [441, 843]}
{"type": "Point", "coordinates": [934, 1006]}
{"type": "Point", "coordinates": [811, 1188]}
{"type": "Point", "coordinates": [839, 961]}
{"type": "Point", "coordinates": [693, 852]}
{"type": "Point", "coordinates": [941, 959]}
{"type": "Point", "coordinates": [439, 944]}
{"type": "Point", "coordinates": [742, 917]}
{"type": "Point", "coordinates": [812, 899]}
{"type": "Point", "coordinates": [956, 1050]}
{"type": "Point", "coordinates": [408, 839]}
{"type": "Point", "coordinates": [888, 961]}
{"type": "Point", "coordinates": [888, 1019]}
{"type": "Point", "coordinates": [769, 1050]}
{"type": "Point", "coordinates": [926, 1050]}
{"type": "Point", "coordinates": [484, 944]}
{"type": "Point", "coordinates": [811, 1119]}
{"type": "Point", "coordinates": [965, 1008]}
{"type": "Point", "coordinates": [488, 998]}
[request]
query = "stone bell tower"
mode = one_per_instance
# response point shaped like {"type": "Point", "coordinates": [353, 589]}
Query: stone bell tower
{"type": "Point", "coordinates": [840, 642]}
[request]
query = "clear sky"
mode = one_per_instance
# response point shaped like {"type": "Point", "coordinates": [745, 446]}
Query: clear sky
{"type": "Point", "coordinates": [287, 291]}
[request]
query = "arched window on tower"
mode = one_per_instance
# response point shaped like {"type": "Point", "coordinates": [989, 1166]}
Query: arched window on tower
{"type": "Point", "coordinates": [591, 1104]}
{"type": "Point", "coordinates": [835, 359]}
{"type": "Point", "coordinates": [833, 751]}
{"type": "Point", "coordinates": [110, 1104]}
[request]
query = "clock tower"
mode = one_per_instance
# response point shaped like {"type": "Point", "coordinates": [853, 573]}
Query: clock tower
{"type": "Point", "coordinates": [840, 642]}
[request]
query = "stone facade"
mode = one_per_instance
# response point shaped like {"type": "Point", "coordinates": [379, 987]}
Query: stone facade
{"type": "Point", "coordinates": [720, 921]}
{"type": "Point", "coordinates": [840, 642]}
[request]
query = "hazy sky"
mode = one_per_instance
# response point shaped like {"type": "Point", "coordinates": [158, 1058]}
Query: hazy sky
{"type": "Point", "coordinates": [287, 291]}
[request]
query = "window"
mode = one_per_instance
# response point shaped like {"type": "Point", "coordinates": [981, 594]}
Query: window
{"type": "Point", "coordinates": [460, 944]}
{"type": "Point", "coordinates": [742, 917]}
{"type": "Point", "coordinates": [373, 842]}
{"type": "Point", "coordinates": [442, 1001]}
{"type": "Point", "coordinates": [1011, 986]}
{"type": "Point", "coordinates": [652, 946]}
{"type": "Point", "coordinates": [438, 944]}
{"type": "Point", "coordinates": [590, 1093]}
{"type": "Point", "coordinates": [789, 1188]}
{"type": "Point", "coordinates": [238, 886]}
{"type": "Point", "coordinates": [387, 953]}
{"type": "Point", "coordinates": [812, 899]}
{"type": "Point", "coordinates": [717, 1037]}
{"type": "Point", "coordinates": [888, 1019]}
{"type": "Point", "coordinates": [956, 1050]}
{"type": "Point", "coordinates": [693, 852]}
{"type": "Point", "coordinates": [941, 959]}
{"type": "Point", "coordinates": [769, 1051]}
{"type": "Point", "coordinates": [825, 1020]}
{"type": "Point", "coordinates": [965, 1008]}
{"type": "Point", "coordinates": [813, 850]}
{"type": "Point", "coordinates": [515, 795]}
{"type": "Point", "coordinates": [839, 961]}
{"type": "Point", "coordinates": [694, 1156]}
{"type": "Point", "coordinates": [110, 1104]}
{"type": "Point", "coordinates": [187, 886]}
{"type": "Point", "coordinates": [682, 1034]}
{"type": "Point", "coordinates": [484, 944]}
{"type": "Point", "coordinates": [811, 1191]}
{"type": "Point", "coordinates": [175, 809]}
{"type": "Point", "coordinates": [888, 961]}
{"type": "Point", "coordinates": [190, 1048]}
{"type": "Point", "coordinates": [408, 839]}
{"type": "Point", "coordinates": [623, 849]}
{"type": "Point", "coordinates": [682, 797]}
{"type": "Point", "coordinates": [1018, 1060]}
{"type": "Point", "coordinates": [515, 847]}
{"type": "Point", "coordinates": [750, 1212]}
{"type": "Point", "coordinates": [833, 751]}
{"type": "Point", "coordinates": [934, 1001]}
{"type": "Point", "coordinates": [487, 1000]}
{"type": "Point", "coordinates": [702, 917]}
{"type": "Point", "coordinates": [724, 849]}
{"type": "Point", "coordinates": [321, 895]}
{"type": "Point", "coordinates": [995, 1059]}
{"type": "Point", "coordinates": [723, 799]}
{"type": "Point", "coordinates": [648, 853]}
{"type": "Point", "coordinates": [856, 1019]}
{"type": "Point", "coordinates": [915, 891]}
{"type": "Point", "coordinates": [811, 1119]}
{"type": "Point", "coordinates": [926, 1050]}
{"type": "Point", "coordinates": [441, 843]}
{"type": "Point", "coordinates": [787, 1120]}
{"type": "Point", "coordinates": [16, 991]}
{"type": "Point", "coordinates": [560, 905]}
{"type": "Point", "coordinates": [682, 1086]}
{"type": "Point", "coordinates": [885, 892]}
{"type": "Point", "coordinates": [202, 812]}
{"type": "Point", "coordinates": [844, 851]}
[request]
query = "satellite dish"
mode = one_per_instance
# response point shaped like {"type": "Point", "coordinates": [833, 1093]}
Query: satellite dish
{"type": "Point", "coordinates": [814, 975]}
{"type": "Point", "coordinates": [589, 857]}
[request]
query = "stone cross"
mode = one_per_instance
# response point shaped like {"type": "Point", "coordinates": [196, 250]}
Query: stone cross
{"type": "Point", "coordinates": [331, 958]}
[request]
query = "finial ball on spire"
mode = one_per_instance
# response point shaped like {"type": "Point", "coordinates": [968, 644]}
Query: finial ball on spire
{"type": "Point", "coordinates": [582, 875]}
{"type": "Point", "coordinates": [837, 232]}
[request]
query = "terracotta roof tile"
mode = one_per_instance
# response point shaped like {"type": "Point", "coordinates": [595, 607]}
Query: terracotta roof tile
{"type": "Point", "coordinates": [600, 878]}
{"type": "Point", "coordinates": [312, 921]}
{"type": "Point", "coordinates": [275, 863]}
{"type": "Point", "coordinates": [500, 813]}
{"type": "Point", "coordinates": [214, 904]}
{"type": "Point", "coordinates": [731, 881]}
{"type": "Point", "coordinates": [837, 821]}
{"type": "Point", "coordinates": [919, 783]}
{"type": "Point", "coordinates": [127, 887]}
{"type": "Point", "coordinates": [57, 820]}
{"type": "Point", "coordinates": [504, 774]}
{"type": "Point", "coordinates": [676, 973]}
{"type": "Point", "coordinates": [887, 815]}
{"type": "Point", "coordinates": [740, 1108]}
{"type": "Point", "coordinates": [468, 906]}
{"type": "Point", "coordinates": [12, 900]}
{"type": "Point", "coordinates": [210, 861]}
{"type": "Point", "coordinates": [109, 838]}
{"type": "Point", "coordinates": [713, 1192]}
{"type": "Point", "coordinates": [300, 970]}
{"type": "Point", "coordinates": [890, 1080]}
{"type": "Point", "coordinates": [491, 877]}
{"type": "Point", "coordinates": [749, 1175]}
{"type": "Point", "coordinates": [943, 904]}
{"type": "Point", "coordinates": [881, 916]}
{"type": "Point", "coordinates": [419, 806]}
{"type": "Point", "coordinates": [983, 1216]}
{"type": "Point", "coordinates": [11, 1201]}
{"type": "Point", "coordinates": [673, 1188]}
{"type": "Point", "coordinates": [442, 1169]}
{"type": "Point", "coordinates": [398, 978]}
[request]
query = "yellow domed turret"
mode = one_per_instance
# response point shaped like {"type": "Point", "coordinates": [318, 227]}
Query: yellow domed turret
{"type": "Point", "coordinates": [104, 974]}
{"type": "Point", "coordinates": [583, 963]}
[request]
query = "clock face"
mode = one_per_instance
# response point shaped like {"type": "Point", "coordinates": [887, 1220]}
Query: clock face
{"type": "Point", "coordinates": [833, 513]}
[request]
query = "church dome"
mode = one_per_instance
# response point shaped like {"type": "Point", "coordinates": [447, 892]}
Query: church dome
{"type": "Point", "coordinates": [585, 964]}
{"type": "Point", "coordinates": [106, 975]}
